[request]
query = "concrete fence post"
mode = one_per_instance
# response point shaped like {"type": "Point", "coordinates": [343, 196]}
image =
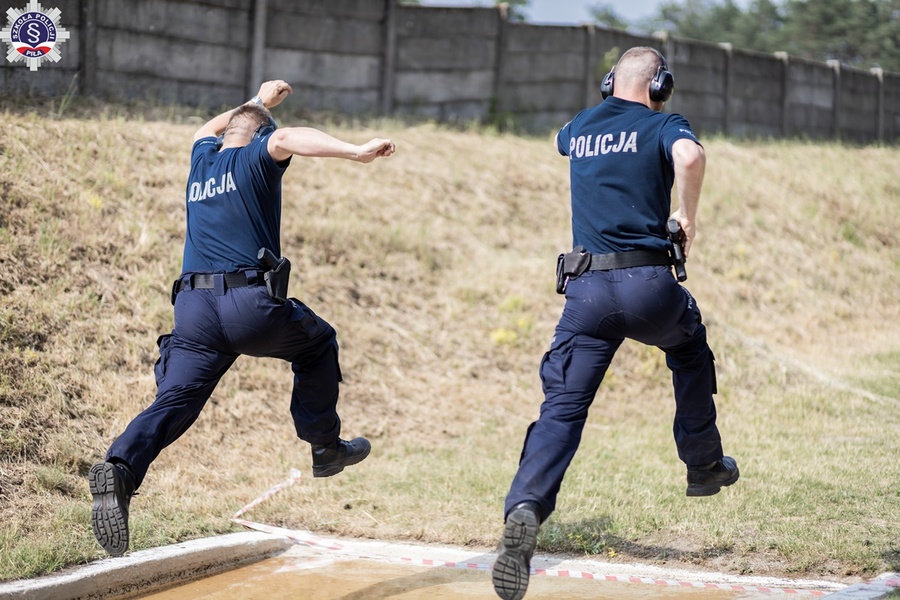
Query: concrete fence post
{"type": "Point", "coordinates": [88, 50]}
{"type": "Point", "coordinates": [879, 124]}
{"type": "Point", "coordinates": [257, 47]}
{"type": "Point", "coordinates": [500, 61]}
{"type": "Point", "coordinates": [783, 58]}
{"type": "Point", "coordinates": [668, 49]}
{"type": "Point", "coordinates": [589, 82]}
{"type": "Point", "coordinates": [389, 60]}
{"type": "Point", "coordinates": [728, 86]}
{"type": "Point", "coordinates": [836, 114]}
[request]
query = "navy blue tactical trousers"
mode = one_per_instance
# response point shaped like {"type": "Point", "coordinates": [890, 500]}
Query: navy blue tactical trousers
{"type": "Point", "coordinates": [212, 328]}
{"type": "Point", "coordinates": [602, 309]}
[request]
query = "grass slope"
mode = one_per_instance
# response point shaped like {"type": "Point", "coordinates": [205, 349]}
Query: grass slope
{"type": "Point", "coordinates": [436, 268]}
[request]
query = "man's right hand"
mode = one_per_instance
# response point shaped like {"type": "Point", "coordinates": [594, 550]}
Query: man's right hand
{"type": "Point", "coordinates": [375, 148]}
{"type": "Point", "coordinates": [689, 229]}
{"type": "Point", "coordinates": [273, 92]}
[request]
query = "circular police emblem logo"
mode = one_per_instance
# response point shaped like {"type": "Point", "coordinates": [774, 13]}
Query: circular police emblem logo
{"type": "Point", "coordinates": [33, 35]}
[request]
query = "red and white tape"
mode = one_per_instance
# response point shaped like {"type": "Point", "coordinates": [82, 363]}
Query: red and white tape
{"type": "Point", "coordinates": [351, 550]}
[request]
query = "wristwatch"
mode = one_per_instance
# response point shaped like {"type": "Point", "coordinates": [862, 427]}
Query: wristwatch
{"type": "Point", "coordinates": [258, 100]}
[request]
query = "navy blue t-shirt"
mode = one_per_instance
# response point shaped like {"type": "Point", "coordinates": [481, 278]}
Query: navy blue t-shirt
{"type": "Point", "coordinates": [233, 206]}
{"type": "Point", "coordinates": [621, 174]}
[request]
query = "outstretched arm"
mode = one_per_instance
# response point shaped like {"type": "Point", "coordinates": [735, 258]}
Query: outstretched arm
{"type": "Point", "coordinates": [306, 141]}
{"type": "Point", "coordinates": [271, 93]}
{"type": "Point", "coordinates": [690, 166]}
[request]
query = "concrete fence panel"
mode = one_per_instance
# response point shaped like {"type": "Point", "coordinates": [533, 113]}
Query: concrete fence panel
{"type": "Point", "coordinates": [700, 83]}
{"type": "Point", "coordinates": [169, 51]}
{"type": "Point", "coordinates": [858, 105]}
{"type": "Point", "coordinates": [446, 62]}
{"type": "Point", "coordinates": [368, 10]}
{"type": "Point", "coordinates": [810, 99]}
{"type": "Point", "coordinates": [221, 24]}
{"type": "Point", "coordinates": [756, 97]}
{"type": "Point", "coordinates": [890, 106]}
{"type": "Point", "coordinates": [544, 73]}
{"type": "Point", "coordinates": [331, 54]}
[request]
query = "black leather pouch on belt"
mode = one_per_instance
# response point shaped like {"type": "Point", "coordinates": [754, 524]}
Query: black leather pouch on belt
{"type": "Point", "coordinates": [570, 266]}
{"type": "Point", "coordinates": [278, 275]}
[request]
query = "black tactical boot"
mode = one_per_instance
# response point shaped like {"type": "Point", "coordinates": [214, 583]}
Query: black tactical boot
{"type": "Point", "coordinates": [112, 486]}
{"type": "Point", "coordinates": [708, 480]}
{"type": "Point", "coordinates": [330, 459]}
{"type": "Point", "coordinates": [513, 566]}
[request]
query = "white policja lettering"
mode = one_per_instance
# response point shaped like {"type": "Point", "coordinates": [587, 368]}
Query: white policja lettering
{"type": "Point", "coordinates": [211, 188]}
{"type": "Point", "coordinates": [587, 146]}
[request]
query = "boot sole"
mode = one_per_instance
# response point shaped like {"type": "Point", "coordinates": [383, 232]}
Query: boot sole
{"type": "Point", "coordinates": [109, 522]}
{"type": "Point", "coordinates": [711, 489]}
{"type": "Point", "coordinates": [512, 569]}
{"type": "Point", "coordinates": [334, 469]}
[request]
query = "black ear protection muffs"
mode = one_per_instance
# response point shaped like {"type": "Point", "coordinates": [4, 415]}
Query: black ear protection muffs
{"type": "Point", "coordinates": [663, 83]}
{"type": "Point", "coordinates": [261, 131]}
{"type": "Point", "coordinates": [265, 129]}
{"type": "Point", "coordinates": [661, 86]}
{"type": "Point", "coordinates": [606, 86]}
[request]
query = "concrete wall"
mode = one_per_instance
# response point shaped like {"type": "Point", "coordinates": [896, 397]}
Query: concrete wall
{"type": "Point", "coordinates": [857, 102]}
{"type": "Point", "coordinates": [169, 51]}
{"type": "Point", "coordinates": [446, 60]}
{"type": "Point", "coordinates": [701, 78]}
{"type": "Point", "coordinates": [543, 77]}
{"type": "Point", "coordinates": [331, 52]}
{"type": "Point", "coordinates": [755, 97]}
{"type": "Point", "coordinates": [450, 64]}
{"type": "Point", "coordinates": [890, 103]}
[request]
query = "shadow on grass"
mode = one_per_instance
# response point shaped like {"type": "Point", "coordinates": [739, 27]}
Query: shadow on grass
{"type": "Point", "coordinates": [593, 537]}
{"type": "Point", "coordinates": [892, 557]}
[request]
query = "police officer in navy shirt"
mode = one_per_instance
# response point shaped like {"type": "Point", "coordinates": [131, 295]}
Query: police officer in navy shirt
{"type": "Point", "coordinates": [624, 157]}
{"type": "Point", "coordinates": [224, 306]}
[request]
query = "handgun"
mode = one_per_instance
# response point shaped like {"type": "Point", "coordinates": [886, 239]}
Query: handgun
{"type": "Point", "coordinates": [676, 236]}
{"type": "Point", "coordinates": [278, 274]}
{"type": "Point", "coordinates": [268, 258]}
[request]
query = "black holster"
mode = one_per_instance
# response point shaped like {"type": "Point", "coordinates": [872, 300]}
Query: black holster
{"type": "Point", "coordinates": [570, 266]}
{"type": "Point", "coordinates": [278, 275]}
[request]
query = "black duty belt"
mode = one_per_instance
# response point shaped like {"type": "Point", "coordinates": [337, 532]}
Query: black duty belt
{"type": "Point", "coordinates": [207, 281]}
{"type": "Point", "coordinates": [632, 258]}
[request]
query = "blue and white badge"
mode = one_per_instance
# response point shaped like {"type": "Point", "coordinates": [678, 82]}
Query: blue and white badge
{"type": "Point", "coordinates": [33, 35]}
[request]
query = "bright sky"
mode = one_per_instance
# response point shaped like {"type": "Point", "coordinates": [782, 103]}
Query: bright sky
{"type": "Point", "coordinates": [570, 12]}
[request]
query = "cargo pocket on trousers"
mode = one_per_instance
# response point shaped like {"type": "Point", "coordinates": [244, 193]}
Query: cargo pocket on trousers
{"type": "Point", "coordinates": [303, 319]}
{"type": "Point", "coordinates": [159, 369]}
{"type": "Point", "coordinates": [554, 365]}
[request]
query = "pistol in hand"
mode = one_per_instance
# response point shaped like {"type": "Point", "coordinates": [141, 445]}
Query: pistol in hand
{"type": "Point", "coordinates": [676, 236]}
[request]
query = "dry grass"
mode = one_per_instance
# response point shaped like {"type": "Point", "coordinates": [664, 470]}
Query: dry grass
{"type": "Point", "coordinates": [436, 268]}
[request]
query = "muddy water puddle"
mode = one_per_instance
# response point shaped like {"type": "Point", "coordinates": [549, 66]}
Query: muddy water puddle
{"type": "Point", "coordinates": [310, 575]}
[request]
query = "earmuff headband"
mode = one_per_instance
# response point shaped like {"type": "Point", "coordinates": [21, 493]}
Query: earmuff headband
{"type": "Point", "coordinates": [661, 86]}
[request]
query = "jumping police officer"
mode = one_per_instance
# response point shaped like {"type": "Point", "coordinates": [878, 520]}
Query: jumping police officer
{"type": "Point", "coordinates": [624, 157]}
{"type": "Point", "coordinates": [230, 300]}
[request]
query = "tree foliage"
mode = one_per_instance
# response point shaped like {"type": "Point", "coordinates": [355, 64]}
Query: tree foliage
{"type": "Point", "coordinates": [861, 33]}
{"type": "Point", "coordinates": [516, 8]}
{"type": "Point", "coordinates": [606, 15]}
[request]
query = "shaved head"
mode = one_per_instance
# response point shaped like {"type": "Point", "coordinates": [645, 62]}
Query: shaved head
{"type": "Point", "coordinates": [246, 119]}
{"type": "Point", "coordinates": [637, 67]}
